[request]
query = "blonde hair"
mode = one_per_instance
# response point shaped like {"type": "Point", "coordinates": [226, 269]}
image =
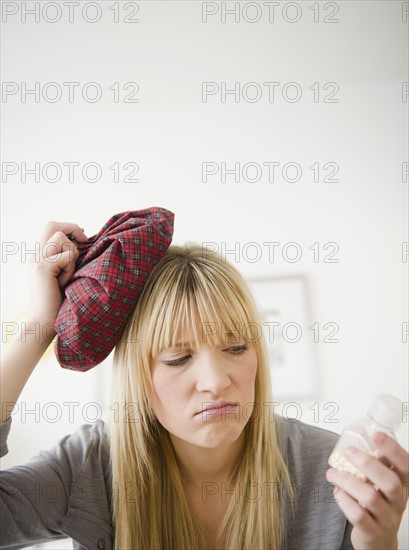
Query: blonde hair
{"type": "Point", "coordinates": [149, 506]}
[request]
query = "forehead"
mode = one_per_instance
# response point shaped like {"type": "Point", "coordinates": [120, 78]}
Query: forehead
{"type": "Point", "coordinates": [192, 332]}
{"type": "Point", "coordinates": [192, 319]}
{"type": "Point", "coordinates": [221, 336]}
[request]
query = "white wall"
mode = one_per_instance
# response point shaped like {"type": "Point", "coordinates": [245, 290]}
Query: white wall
{"type": "Point", "coordinates": [170, 132]}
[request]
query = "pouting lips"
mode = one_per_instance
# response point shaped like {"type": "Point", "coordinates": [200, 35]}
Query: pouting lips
{"type": "Point", "coordinates": [215, 406]}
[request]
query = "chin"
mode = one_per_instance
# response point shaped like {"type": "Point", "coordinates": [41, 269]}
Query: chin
{"type": "Point", "coordinates": [219, 437]}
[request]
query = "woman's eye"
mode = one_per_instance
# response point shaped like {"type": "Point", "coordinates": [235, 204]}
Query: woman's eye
{"type": "Point", "coordinates": [177, 362]}
{"type": "Point", "coordinates": [235, 350]}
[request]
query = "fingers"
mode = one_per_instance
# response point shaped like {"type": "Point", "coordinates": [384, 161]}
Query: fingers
{"type": "Point", "coordinates": [52, 270]}
{"type": "Point", "coordinates": [396, 455]}
{"type": "Point", "coordinates": [367, 532]}
{"type": "Point", "coordinates": [363, 502]}
{"type": "Point", "coordinates": [64, 227]}
{"type": "Point", "coordinates": [357, 515]}
{"type": "Point", "coordinates": [389, 482]}
{"type": "Point", "coordinates": [375, 507]}
{"type": "Point", "coordinates": [58, 243]}
{"type": "Point", "coordinates": [78, 236]}
{"type": "Point", "coordinates": [59, 254]}
{"type": "Point", "coordinates": [66, 266]}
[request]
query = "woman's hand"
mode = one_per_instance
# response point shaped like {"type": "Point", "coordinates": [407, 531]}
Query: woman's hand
{"type": "Point", "coordinates": [52, 270]}
{"type": "Point", "coordinates": [374, 507]}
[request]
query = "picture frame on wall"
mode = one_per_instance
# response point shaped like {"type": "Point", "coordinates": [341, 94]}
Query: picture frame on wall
{"type": "Point", "coordinates": [290, 334]}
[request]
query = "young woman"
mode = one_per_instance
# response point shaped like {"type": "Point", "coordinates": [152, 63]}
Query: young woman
{"type": "Point", "coordinates": [192, 455]}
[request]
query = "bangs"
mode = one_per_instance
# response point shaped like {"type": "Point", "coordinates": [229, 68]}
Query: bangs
{"type": "Point", "coordinates": [195, 306]}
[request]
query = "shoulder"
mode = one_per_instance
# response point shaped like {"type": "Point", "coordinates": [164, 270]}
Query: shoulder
{"type": "Point", "coordinates": [83, 440]}
{"type": "Point", "coordinates": [83, 461]}
{"type": "Point", "coordinates": [82, 453]}
{"type": "Point", "coordinates": [85, 446]}
{"type": "Point", "coordinates": [62, 490]}
{"type": "Point", "coordinates": [86, 436]}
{"type": "Point", "coordinates": [298, 439]}
{"type": "Point", "coordinates": [305, 450]}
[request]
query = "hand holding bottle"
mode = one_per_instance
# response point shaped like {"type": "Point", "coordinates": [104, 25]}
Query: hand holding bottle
{"type": "Point", "coordinates": [372, 476]}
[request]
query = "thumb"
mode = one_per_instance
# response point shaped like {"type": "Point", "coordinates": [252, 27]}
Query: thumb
{"type": "Point", "coordinates": [65, 267]}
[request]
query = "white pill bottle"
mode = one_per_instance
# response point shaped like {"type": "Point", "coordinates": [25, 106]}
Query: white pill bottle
{"type": "Point", "coordinates": [384, 415]}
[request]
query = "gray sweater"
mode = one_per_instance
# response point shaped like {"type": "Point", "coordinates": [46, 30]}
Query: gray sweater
{"type": "Point", "coordinates": [65, 491]}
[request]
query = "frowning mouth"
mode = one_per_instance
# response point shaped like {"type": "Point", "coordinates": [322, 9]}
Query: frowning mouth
{"type": "Point", "coordinates": [218, 408]}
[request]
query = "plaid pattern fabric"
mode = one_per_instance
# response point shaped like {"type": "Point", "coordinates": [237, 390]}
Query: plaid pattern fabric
{"type": "Point", "coordinates": [110, 273]}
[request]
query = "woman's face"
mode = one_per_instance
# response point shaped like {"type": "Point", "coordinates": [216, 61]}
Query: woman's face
{"type": "Point", "coordinates": [187, 382]}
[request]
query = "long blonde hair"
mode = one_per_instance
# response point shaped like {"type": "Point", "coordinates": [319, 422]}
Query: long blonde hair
{"type": "Point", "coordinates": [149, 506]}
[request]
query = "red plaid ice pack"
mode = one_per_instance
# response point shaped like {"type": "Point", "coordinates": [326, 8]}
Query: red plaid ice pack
{"type": "Point", "coordinates": [110, 273]}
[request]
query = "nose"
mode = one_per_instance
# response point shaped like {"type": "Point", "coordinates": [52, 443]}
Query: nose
{"type": "Point", "coordinates": [212, 374]}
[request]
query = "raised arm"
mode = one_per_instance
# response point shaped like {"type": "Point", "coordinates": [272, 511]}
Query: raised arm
{"type": "Point", "coordinates": [53, 270]}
